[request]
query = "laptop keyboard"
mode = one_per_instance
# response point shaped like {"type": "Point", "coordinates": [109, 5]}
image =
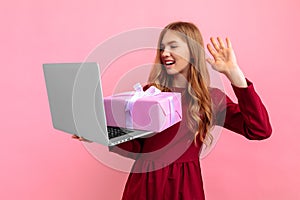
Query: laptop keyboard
{"type": "Point", "coordinates": [116, 131]}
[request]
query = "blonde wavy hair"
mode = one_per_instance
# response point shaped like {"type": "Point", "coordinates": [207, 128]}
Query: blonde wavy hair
{"type": "Point", "coordinates": [200, 105]}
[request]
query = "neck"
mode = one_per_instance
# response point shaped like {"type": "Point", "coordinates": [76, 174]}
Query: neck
{"type": "Point", "coordinates": [179, 80]}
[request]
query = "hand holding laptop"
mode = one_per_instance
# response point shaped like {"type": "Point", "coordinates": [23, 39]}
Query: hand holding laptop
{"type": "Point", "coordinates": [74, 86]}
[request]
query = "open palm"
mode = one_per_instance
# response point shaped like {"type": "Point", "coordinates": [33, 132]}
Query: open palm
{"type": "Point", "coordinates": [224, 59]}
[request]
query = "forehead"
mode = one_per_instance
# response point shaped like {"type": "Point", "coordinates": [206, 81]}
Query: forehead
{"type": "Point", "coordinates": [172, 37]}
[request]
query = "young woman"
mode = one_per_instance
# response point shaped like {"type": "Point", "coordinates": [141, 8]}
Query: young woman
{"type": "Point", "coordinates": [167, 163]}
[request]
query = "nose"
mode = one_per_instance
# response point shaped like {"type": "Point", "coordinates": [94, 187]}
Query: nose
{"type": "Point", "coordinates": [165, 53]}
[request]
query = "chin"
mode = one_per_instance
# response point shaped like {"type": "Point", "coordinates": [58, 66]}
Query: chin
{"type": "Point", "coordinates": [171, 72]}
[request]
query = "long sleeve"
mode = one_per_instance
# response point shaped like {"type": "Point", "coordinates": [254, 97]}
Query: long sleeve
{"type": "Point", "coordinates": [249, 117]}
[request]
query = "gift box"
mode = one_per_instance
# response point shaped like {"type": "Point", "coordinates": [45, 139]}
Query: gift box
{"type": "Point", "coordinates": [149, 110]}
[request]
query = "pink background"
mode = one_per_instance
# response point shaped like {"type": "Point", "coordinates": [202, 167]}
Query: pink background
{"type": "Point", "coordinates": [38, 162]}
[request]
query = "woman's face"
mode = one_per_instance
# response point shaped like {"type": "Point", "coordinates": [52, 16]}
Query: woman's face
{"type": "Point", "coordinates": [175, 54]}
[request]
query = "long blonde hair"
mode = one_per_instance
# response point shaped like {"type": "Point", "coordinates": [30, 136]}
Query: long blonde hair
{"type": "Point", "coordinates": [200, 106]}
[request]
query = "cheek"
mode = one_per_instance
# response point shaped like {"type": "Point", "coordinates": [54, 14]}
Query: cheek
{"type": "Point", "coordinates": [179, 55]}
{"type": "Point", "coordinates": [184, 55]}
{"type": "Point", "coordinates": [187, 56]}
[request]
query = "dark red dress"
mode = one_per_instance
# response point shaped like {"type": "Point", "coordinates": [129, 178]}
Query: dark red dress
{"type": "Point", "coordinates": [167, 164]}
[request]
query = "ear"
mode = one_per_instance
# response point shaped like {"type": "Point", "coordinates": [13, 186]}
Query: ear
{"type": "Point", "coordinates": [192, 60]}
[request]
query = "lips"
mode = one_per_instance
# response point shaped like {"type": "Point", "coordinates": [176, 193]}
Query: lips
{"type": "Point", "coordinates": [169, 63]}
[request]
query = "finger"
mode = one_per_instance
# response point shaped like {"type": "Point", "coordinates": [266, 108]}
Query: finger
{"type": "Point", "coordinates": [212, 51]}
{"type": "Point", "coordinates": [228, 42]}
{"type": "Point", "coordinates": [82, 139]}
{"type": "Point", "coordinates": [210, 61]}
{"type": "Point", "coordinates": [85, 140]}
{"type": "Point", "coordinates": [75, 137]}
{"type": "Point", "coordinates": [221, 43]}
{"type": "Point", "coordinates": [215, 44]}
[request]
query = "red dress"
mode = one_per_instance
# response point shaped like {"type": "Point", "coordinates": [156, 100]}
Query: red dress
{"type": "Point", "coordinates": [167, 164]}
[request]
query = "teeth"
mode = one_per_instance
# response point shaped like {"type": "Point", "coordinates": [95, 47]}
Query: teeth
{"type": "Point", "coordinates": [170, 62]}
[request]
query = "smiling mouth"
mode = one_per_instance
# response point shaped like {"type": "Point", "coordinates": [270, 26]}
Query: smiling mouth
{"type": "Point", "coordinates": [169, 63]}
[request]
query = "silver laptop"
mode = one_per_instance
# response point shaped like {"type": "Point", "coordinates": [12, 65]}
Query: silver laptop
{"type": "Point", "coordinates": [76, 103]}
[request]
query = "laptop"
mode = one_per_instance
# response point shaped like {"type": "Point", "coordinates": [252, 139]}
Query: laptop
{"type": "Point", "coordinates": [77, 106]}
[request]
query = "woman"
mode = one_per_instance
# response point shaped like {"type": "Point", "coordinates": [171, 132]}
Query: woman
{"type": "Point", "coordinates": [167, 164]}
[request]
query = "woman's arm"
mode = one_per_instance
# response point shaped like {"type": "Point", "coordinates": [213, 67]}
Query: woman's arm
{"type": "Point", "coordinates": [225, 62]}
{"type": "Point", "coordinates": [129, 149]}
{"type": "Point", "coordinates": [249, 117]}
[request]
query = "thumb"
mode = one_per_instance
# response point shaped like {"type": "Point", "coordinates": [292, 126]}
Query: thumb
{"type": "Point", "coordinates": [210, 61]}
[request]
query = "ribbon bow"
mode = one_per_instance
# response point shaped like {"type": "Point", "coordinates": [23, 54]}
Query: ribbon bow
{"type": "Point", "coordinates": [139, 93]}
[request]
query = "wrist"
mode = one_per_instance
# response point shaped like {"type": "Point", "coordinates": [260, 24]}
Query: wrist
{"type": "Point", "coordinates": [236, 77]}
{"type": "Point", "coordinates": [233, 71]}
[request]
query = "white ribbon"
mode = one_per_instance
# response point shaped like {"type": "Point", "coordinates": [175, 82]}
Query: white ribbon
{"type": "Point", "coordinates": [139, 93]}
{"type": "Point", "coordinates": [172, 109]}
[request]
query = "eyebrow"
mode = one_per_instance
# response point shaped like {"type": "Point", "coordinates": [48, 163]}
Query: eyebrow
{"type": "Point", "coordinates": [171, 42]}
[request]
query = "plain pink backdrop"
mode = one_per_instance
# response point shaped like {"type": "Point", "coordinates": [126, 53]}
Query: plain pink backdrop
{"type": "Point", "coordinates": [38, 162]}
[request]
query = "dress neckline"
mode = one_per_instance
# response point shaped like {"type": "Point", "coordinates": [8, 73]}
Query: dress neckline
{"type": "Point", "coordinates": [178, 89]}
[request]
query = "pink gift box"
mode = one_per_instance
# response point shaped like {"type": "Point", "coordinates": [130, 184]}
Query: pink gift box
{"type": "Point", "coordinates": [152, 113]}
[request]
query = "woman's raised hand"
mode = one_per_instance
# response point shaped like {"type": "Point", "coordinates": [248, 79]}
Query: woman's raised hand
{"type": "Point", "coordinates": [224, 61]}
{"type": "Point", "coordinates": [223, 55]}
